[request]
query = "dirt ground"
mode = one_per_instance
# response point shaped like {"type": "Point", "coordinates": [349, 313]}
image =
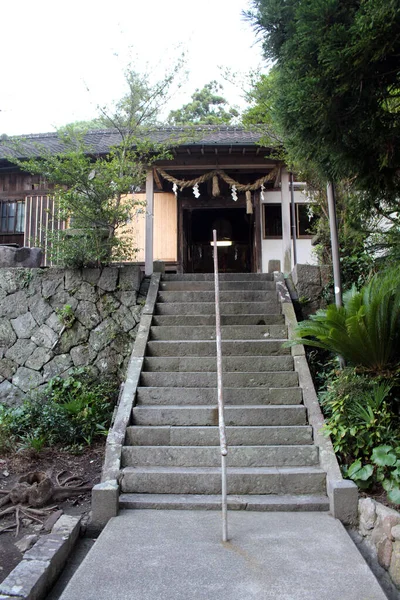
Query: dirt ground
{"type": "Point", "coordinates": [51, 461]}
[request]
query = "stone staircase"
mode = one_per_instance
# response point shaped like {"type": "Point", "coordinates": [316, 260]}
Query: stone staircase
{"type": "Point", "coordinates": [171, 457]}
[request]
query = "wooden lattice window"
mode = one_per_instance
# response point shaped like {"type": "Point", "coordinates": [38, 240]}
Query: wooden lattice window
{"type": "Point", "coordinates": [12, 216]}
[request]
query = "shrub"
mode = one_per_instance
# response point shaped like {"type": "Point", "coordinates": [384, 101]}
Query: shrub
{"type": "Point", "coordinates": [68, 412]}
{"type": "Point", "coordinates": [365, 331]}
{"type": "Point", "coordinates": [359, 414]}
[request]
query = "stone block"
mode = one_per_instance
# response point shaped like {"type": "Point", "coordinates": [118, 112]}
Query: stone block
{"type": "Point", "coordinates": [91, 275]}
{"type": "Point", "coordinates": [343, 497]}
{"type": "Point", "coordinates": [86, 292]}
{"type": "Point", "coordinates": [159, 266]}
{"type": "Point", "coordinates": [103, 334]}
{"type": "Point", "coordinates": [14, 305]}
{"type": "Point", "coordinates": [67, 526]}
{"type": "Point", "coordinates": [306, 274]}
{"type": "Point", "coordinates": [395, 533]}
{"type": "Point", "coordinates": [26, 542]}
{"type": "Point", "coordinates": [21, 351]}
{"type": "Point", "coordinates": [124, 318]}
{"type": "Point", "coordinates": [39, 308]}
{"type": "Point", "coordinates": [107, 305]}
{"type": "Point", "coordinates": [9, 281]}
{"type": "Point", "coordinates": [127, 298]}
{"type": "Point", "coordinates": [73, 279]}
{"type": "Point", "coordinates": [384, 550]}
{"type": "Point", "coordinates": [274, 265]}
{"type": "Point", "coordinates": [130, 277]}
{"type": "Point", "coordinates": [104, 502]}
{"type": "Point", "coordinates": [45, 337]}
{"type": "Point", "coordinates": [39, 357]}
{"type": "Point", "coordinates": [20, 257]}
{"type": "Point", "coordinates": [61, 299]}
{"type": "Point", "coordinates": [24, 325]}
{"type": "Point", "coordinates": [57, 366]}
{"type": "Point", "coordinates": [28, 580]}
{"type": "Point", "coordinates": [86, 313]}
{"type": "Point", "coordinates": [27, 379]}
{"type": "Point", "coordinates": [108, 361]}
{"type": "Point", "coordinates": [108, 279]}
{"type": "Point", "coordinates": [51, 284]}
{"type": "Point", "coordinates": [367, 515]}
{"type": "Point", "coordinates": [54, 322]}
{"type": "Point", "coordinates": [7, 334]}
{"type": "Point", "coordinates": [83, 355]}
{"type": "Point", "coordinates": [74, 336]}
{"type": "Point", "coordinates": [394, 569]}
{"type": "Point", "coordinates": [10, 395]}
{"type": "Point", "coordinates": [7, 368]}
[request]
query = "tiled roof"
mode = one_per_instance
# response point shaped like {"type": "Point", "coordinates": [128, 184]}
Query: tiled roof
{"type": "Point", "coordinates": [100, 140]}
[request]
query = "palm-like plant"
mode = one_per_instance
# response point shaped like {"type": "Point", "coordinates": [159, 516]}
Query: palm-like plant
{"type": "Point", "coordinates": [365, 331]}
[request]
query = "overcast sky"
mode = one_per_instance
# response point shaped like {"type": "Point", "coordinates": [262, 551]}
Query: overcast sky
{"type": "Point", "coordinates": [54, 52]}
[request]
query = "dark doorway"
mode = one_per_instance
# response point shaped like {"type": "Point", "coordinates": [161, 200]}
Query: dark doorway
{"type": "Point", "coordinates": [233, 226]}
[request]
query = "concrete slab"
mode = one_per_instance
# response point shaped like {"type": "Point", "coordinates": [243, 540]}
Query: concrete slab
{"type": "Point", "coordinates": [178, 555]}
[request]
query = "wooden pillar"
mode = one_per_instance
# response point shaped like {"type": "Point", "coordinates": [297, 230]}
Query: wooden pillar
{"type": "Point", "coordinates": [148, 269]}
{"type": "Point", "coordinates": [286, 243]}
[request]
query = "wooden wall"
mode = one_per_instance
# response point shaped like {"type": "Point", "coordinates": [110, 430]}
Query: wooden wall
{"type": "Point", "coordinates": [40, 218]}
{"type": "Point", "coordinates": [165, 228]}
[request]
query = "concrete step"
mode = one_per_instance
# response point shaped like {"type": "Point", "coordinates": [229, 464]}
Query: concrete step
{"type": "Point", "coordinates": [207, 480]}
{"type": "Point", "coordinates": [272, 502]}
{"type": "Point", "coordinates": [208, 308]}
{"type": "Point", "coordinates": [210, 456]}
{"type": "Point", "coordinates": [231, 296]}
{"type": "Point", "coordinates": [175, 379]}
{"type": "Point", "coordinates": [209, 436]}
{"type": "Point", "coordinates": [182, 320]}
{"type": "Point", "coordinates": [206, 286]}
{"type": "Point", "coordinates": [209, 364]}
{"type": "Point", "coordinates": [228, 332]}
{"type": "Point", "coordinates": [208, 415]}
{"type": "Point", "coordinates": [199, 396]}
{"type": "Point", "coordinates": [263, 347]}
{"type": "Point", "coordinates": [222, 277]}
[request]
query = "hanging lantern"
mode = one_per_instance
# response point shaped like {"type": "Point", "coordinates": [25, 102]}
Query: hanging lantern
{"type": "Point", "coordinates": [249, 204]}
{"type": "Point", "coordinates": [196, 190]}
{"type": "Point", "coordinates": [234, 193]}
{"type": "Point", "coordinates": [215, 187]}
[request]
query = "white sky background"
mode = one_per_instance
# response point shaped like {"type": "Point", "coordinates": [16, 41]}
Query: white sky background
{"type": "Point", "coordinates": [52, 51]}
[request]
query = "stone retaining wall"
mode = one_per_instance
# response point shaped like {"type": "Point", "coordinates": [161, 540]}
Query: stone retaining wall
{"type": "Point", "coordinates": [380, 528]}
{"type": "Point", "coordinates": [35, 344]}
{"type": "Point", "coordinates": [310, 281]}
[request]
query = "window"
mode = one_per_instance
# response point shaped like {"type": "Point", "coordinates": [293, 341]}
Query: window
{"type": "Point", "coordinates": [12, 216]}
{"type": "Point", "coordinates": [272, 219]}
{"type": "Point", "coordinates": [305, 220]}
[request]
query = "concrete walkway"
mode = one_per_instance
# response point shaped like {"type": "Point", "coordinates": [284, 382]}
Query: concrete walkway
{"type": "Point", "coordinates": [178, 555]}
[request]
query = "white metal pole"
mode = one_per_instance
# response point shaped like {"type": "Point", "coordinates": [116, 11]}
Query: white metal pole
{"type": "Point", "coordinates": [221, 422]}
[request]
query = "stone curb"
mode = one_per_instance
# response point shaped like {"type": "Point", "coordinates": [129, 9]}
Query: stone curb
{"type": "Point", "coordinates": [105, 494]}
{"type": "Point", "coordinates": [342, 493]}
{"type": "Point", "coordinates": [33, 577]}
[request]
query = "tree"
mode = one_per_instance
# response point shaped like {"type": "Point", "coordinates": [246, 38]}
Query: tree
{"type": "Point", "coordinates": [206, 108]}
{"type": "Point", "coordinates": [94, 193]}
{"type": "Point", "coordinates": [338, 86]}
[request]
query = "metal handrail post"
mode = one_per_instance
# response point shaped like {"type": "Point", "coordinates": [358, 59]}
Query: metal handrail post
{"type": "Point", "coordinates": [221, 421]}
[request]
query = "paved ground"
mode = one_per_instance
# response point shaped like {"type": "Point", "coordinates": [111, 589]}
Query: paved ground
{"type": "Point", "coordinates": [178, 555]}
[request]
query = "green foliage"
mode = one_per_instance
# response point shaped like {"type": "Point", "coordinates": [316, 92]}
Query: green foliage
{"type": "Point", "coordinates": [207, 107]}
{"type": "Point", "coordinates": [360, 414]}
{"type": "Point", "coordinates": [365, 331]}
{"type": "Point", "coordinates": [66, 316]}
{"type": "Point", "coordinates": [68, 412]}
{"type": "Point", "coordinates": [93, 193]}
{"type": "Point", "coordinates": [383, 469]}
{"type": "Point", "coordinates": [337, 84]}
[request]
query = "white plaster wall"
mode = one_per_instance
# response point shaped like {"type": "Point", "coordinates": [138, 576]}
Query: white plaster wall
{"type": "Point", "coordinates": [272, 249]}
